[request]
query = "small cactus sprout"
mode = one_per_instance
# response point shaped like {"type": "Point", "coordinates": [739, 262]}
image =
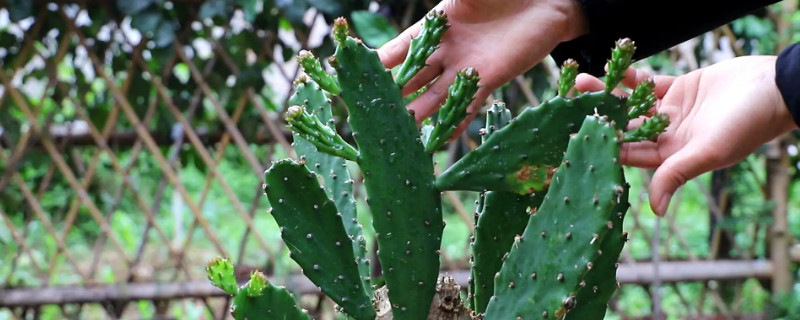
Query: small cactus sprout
{"type": "Point", "coordinates": [621, 58]}
{"type": "Point", "coordinates": [255, 287]}
{"type": "Point", "coordinates": [220, 272]}
{"type": "Point", "coordinates": [340, 30]}
{"type": "Point", "coordinates": [649, 130]}
{"type": "Point", "coordinates": [569, 71]}
{"type": "Point", "coordinates": [313, 68]}
{"type": "Point", "coordinates": [642, 99]}
{"type": "Point", "coordinates": [423, 46]}
{"type": "Point", "coordinates": [452, 113]}
{"type": "Point", "coordinates": [323, 137]}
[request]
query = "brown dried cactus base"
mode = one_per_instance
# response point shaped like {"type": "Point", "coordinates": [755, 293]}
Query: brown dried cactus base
{"type": "Point", "coordinates": [446, 304]}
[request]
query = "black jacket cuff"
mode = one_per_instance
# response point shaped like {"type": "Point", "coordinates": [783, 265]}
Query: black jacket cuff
{"type": "Point", "coordinates": [787, 78]}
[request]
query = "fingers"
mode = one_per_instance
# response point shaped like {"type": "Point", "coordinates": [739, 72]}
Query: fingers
{"type": "Point", "coordinates": [422, 78]}
{"type": "Point", "coordinates": [635, 76]}
{"type": "Point", "coordinates": [586, 83]}
{"type": "Point", "coordinates": [640, 154]}
{"type": "Point", "coordinates": [394, 52]}
{"type": "Point", "coordinates": [672, 174]}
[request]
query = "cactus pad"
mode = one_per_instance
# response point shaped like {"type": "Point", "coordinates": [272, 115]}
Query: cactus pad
{"type": "Point", "coordinates": [398, 176]}
{"type": "Point", "coordinates": [547, 264]}
{"type": "Point", "coordinates": [522, 156]}
{"type": "Point", "coordinates": [313, 230]}
{"type": "Point", "coordinates": [333, 170]}
{"type": "Point", "coordinates": [258, 299]}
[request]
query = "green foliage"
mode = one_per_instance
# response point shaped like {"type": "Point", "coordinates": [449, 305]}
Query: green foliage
{"type": "Point", "coordinates": [373, 28]}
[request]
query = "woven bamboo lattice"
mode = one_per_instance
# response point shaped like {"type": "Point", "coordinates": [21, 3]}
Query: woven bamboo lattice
{"type": "Point", "coordinates": [129, 159]}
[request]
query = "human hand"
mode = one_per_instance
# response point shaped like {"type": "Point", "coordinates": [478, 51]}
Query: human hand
{"type": "Point", "coordinates": [499, 38]}
{"type": "Point", "coordinates": [718, 115]}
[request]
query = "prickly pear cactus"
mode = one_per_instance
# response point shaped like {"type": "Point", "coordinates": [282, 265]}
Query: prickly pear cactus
{"type": "Point", "coordinates": [549, 220]}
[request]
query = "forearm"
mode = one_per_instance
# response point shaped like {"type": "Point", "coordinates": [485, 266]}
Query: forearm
{"type": "Point", "coordinates": [653, 25]}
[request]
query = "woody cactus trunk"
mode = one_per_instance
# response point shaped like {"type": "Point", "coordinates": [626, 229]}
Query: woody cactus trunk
{"type": "Point", "coordinates": [552, 194]}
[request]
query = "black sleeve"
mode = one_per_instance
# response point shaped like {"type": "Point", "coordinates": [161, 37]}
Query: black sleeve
{"type": "Point", "coordinates": [653, 25]}
{"type": "Point", "coordinates": [787, 77]}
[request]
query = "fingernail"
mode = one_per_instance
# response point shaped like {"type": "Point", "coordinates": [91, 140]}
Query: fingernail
{"type": "Point", "coordinates": [663, 205]}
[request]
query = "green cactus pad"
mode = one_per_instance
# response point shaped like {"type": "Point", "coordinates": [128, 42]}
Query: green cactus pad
{"type": "Point", "coordinates": [543, 271]}
{"type": "Point", "coordinates": [502, 216]}
{"type": "Point", "coordinates": [454, 111]}
{"type": "Point", "coordinates": [423, 46]}
{"type": "Point", "coordinates": [313, 68]}
{"type": "Point", "coordinates": [649, 130]}
{"type": "Point", "coordinates": [642, 99]}
{"type": "Point", "coordinates": [522, 156]}
{"type": "Point", "coordinates": [221, 274]}
{"type": "Point", "coordinates": [599, 284]}
{"type": "Point", "coordinates": [569, 71]}
{"type": "Point", "coordinates": [258, 299]}
{"type": "Point", "coordinates": [398, 176]}
{"type": "Point", "coordinates": [333, 170]}
{"type": "Point", "coordinates": [314, 232]}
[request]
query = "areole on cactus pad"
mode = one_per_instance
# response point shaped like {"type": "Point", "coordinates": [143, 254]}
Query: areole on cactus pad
{"type": "Point", "coordinates": [552, 194]}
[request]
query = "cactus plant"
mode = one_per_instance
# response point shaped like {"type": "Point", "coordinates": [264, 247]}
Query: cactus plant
{"type": "Point", "coordinates": [552, 193]}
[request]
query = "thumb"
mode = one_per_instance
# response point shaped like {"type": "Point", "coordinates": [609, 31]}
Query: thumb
{"type": "Point", "coordinates": [673, 173]}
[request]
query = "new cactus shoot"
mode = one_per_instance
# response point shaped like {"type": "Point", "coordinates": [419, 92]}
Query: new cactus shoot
{"type": "Point", "coordinates": [423, 46]}
{"type": "Point", "coordinates": [621, 59]}
{"type": "Point", "coordinates": [323, 137]}
{"type": "Point", "coordinates": [569, 71]}
{"type": "Point", "coordinates": [313, 68]}
{"type": "Point", "coordinates": [650, 128]}
{"type": "Point", "coordinates": [454, 111]}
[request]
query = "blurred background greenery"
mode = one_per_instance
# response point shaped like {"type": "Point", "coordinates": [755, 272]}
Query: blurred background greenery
{"type": "Point", "coordinates": [134, 135]}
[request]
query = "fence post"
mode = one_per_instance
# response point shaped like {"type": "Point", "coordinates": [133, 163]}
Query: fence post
{"type": "Point", "coordinates": [778, 181]}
